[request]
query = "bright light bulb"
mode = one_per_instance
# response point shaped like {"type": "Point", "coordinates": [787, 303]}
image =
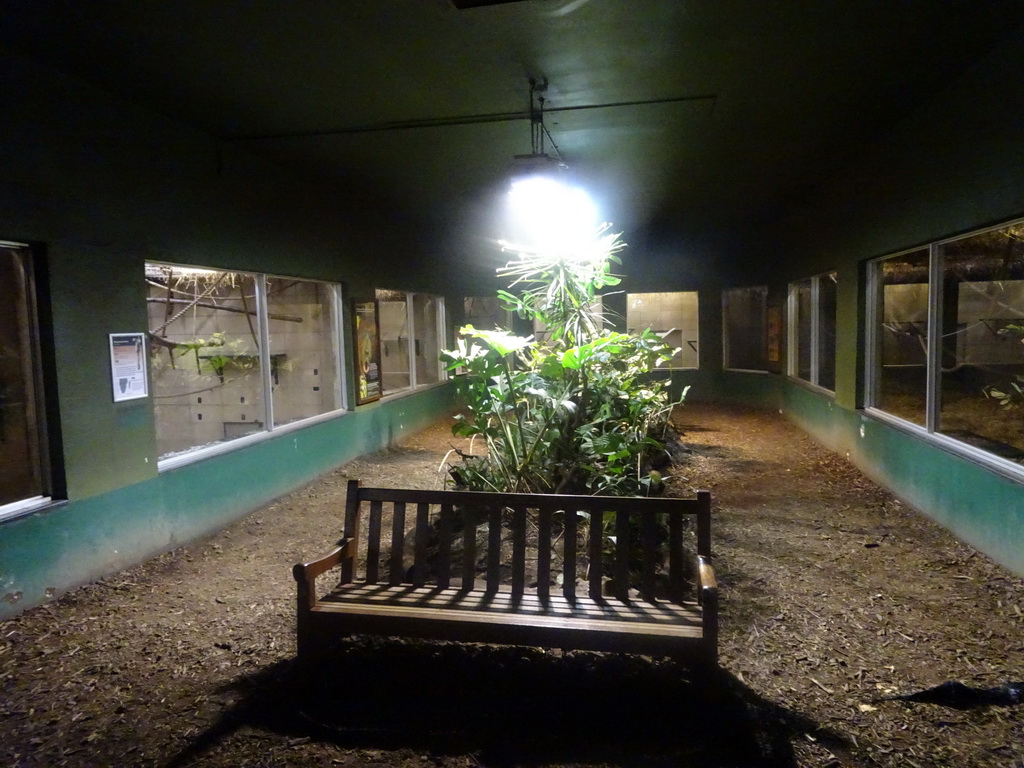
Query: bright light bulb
{"type": "Point", "coordinates": [546, 215]}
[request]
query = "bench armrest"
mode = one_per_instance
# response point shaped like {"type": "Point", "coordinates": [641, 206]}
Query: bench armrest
{"type": "Point", "coordinates": [706, 576]}
{"type": "Point", "coordinates": [707, 596]}
{"type": "Point", "coordinates": [305, 573]}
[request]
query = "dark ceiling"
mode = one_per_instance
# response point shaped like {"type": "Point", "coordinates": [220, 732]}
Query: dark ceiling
{"type": "Point", "coordinates": [696, 116]}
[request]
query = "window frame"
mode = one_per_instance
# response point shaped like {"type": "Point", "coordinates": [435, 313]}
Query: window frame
{"type": "Point", "coordinates": [639, 327]}
{"type": "Point", "coordinates": [336, 293]}
{"type": "Point", "coordinates": [814, 342]}
{"type": "Point", "coordinates": [763, 289]}
{"type": "Point", "coordinates": [872, 356]}
{"type": "Point", "coordinates": [39, 372]}
{"type": "Point", "coordinates": [440, 322]}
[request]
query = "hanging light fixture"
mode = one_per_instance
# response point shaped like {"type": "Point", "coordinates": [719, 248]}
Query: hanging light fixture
{"type": "Point", "coordinates": [545, 213]}
{"type": "Point", "coordinates": [539, 162]}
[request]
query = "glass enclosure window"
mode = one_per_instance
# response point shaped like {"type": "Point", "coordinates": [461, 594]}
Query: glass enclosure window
{"type": "Point", "coordinates": [812, 341]}
{"type": "Point", "coordinates": [486, 313]}
{"type": "Point", "coordinates": [393, 313]}
{"type": "Point", "coordinates": [982, 355]}
{"type": "Point", "coordinates": [744, 332]}
{"type": "Point", "coordinates": [204, 357]}
{"type": "Point", "coordinates": [948, 339]}
{"type": "Point", "coordinates": [427, 316]}
{"type": "Point", "coordinates": [411, 338]}
{"type": "Point", "coordinates": [302, 329]}
{"type": "Point", "coordinates": [901, 333]}
{"type": "Point", "coordinates": [234, 353]}
{"type": "Point", "coordinates": [825, 343]}
{"type": "Point", "coordinates": [671, 315]}
{"type": "Point", "coordinates": [23, 470]}
{"type": "Point", "coordinates": [802, 319]}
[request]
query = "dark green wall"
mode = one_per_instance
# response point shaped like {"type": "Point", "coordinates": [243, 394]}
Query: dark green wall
{"type": "Point", "coordinates": [100, 187]}
{"type": "Point", "coordinates": [953, 165]}
{"type": "Point", "coordinates": [46, 553]}
{"type": "Point", "coordinates": [104, 187]}
{"type": "Point", "coordinates": [976, 504]}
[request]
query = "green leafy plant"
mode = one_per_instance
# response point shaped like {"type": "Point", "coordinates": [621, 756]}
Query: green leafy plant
{"type": "Point", "coordinates": [579, 413]}
{"type": "Point", "coordinates": [1009, 394]}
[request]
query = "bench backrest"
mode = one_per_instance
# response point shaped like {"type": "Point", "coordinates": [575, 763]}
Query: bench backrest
{"type": "Point", "coordinates": [644, 536]}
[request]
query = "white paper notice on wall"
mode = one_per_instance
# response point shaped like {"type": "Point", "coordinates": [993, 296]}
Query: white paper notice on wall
{"type": "Point", "coordinates": [128, 366]}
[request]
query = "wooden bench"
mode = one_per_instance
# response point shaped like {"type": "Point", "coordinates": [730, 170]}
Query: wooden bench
{"type": "Point", "coordinates": [518, 569]}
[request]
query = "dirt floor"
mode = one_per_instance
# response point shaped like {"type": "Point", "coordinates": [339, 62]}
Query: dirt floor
{"type": "Point", "coordinates": [836, 598]}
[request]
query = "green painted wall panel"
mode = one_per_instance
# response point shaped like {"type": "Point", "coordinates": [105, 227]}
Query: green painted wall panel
{"type": "Point", "coordinates": [46, 553]}
{"type": "Point", "coordinates": [976, 504]}
{"type": "Point", "coordinates": [761, 390]}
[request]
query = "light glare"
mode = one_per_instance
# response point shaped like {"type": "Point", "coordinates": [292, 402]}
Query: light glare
{"type": "Point", "coordinates": [548, 216]}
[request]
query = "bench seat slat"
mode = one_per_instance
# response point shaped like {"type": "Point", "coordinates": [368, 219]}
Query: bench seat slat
{"type": "Point", "coordinates": [664, 619]}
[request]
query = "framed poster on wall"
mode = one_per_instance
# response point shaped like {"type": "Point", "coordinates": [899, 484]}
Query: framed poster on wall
{"type": "Point", "coordinates": [366, 325]}
{"type": "Point", "coordinates": [128, 366]}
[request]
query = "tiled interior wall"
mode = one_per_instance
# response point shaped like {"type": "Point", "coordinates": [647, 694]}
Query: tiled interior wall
{"type": "Point", "coordinates": [393, 314]}
{"type": "Point", "coordinates": [672, 315]}
{"type": "Point", "coordinates": [983, 309]}
{"type": "Point", "coordinates": [394, 345]}
{"type": "Point", "coordinates": [195, 405]}
{"type": "Point", "coordinates": [306, 382]}
{"type": "Point", "coordinates": [426, 310]}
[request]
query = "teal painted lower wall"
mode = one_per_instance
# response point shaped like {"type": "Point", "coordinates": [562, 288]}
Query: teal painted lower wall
{"type": "Point", "coordinates": [977, 505]}
{"type": "Point", "coordinates": [759, 390]}
{"type": "Point", "coordinates": [49, 552]}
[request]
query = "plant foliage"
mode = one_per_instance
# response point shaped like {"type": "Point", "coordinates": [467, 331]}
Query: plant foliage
{"type": "Point", "coordinates": [1010, 394]}
{"type": "Point", "coordinates": [578, 413]}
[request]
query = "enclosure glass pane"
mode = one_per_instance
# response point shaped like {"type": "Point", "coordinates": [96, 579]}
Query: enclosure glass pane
{"type": "Point", "coordinates": [745, 339]}
{"type": "Point", "coordinates": [428, 313]}
{"type": "Point", "coordinates": [485, 313]}
{"type": "Point", "coordinates": [395, 334]}
{"type": "Point", "coordinates": [21, 447]}
{"type": "Point", "coordinates": [826, 331]}
{"type": "Point", "coordinates": [902, 332]}
{"type": "Point", "coordinates": [302, 329]}
{"type": "Point", "coordinates": [204, 357]}
{"type": "Point", "coordinates": [802, 305]}
{"type": "Point", "coordinates": [671, 315]}
{"type": "Point", "coordinates": [982, 380]}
